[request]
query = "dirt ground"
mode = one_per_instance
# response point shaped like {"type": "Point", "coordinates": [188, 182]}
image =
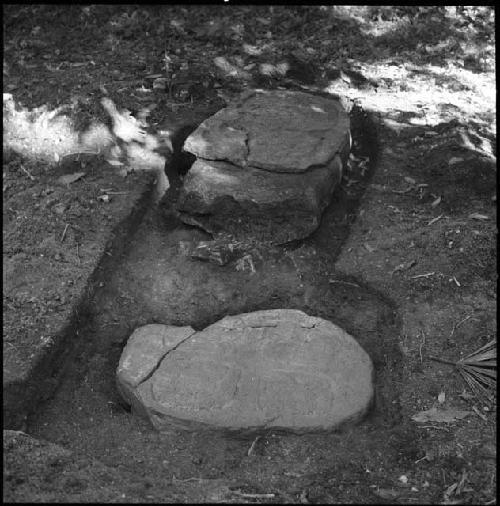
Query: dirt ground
{"type": "Point", "coordinates": [404, 258]}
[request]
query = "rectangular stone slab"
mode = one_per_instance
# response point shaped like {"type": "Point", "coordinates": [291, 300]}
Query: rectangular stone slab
{"type": "Point", "coordinates": [279, 131]}
{"type": "Point", "coordinates": [278, 207]}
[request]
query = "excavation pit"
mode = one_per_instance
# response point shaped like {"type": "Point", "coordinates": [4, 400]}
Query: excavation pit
{"type": "Point", "coordinates": [153, 282]}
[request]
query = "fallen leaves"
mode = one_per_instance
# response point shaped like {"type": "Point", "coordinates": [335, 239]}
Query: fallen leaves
{"type": "Point", "coordinates": [67, 179]}
{"type": "Point", "coordinates": [430, 455]}
{"type": "Point", "coordinates": [228, 69]}
{"type": "Point", "coordinates": [436, 202]}
{"type": "Point", "coordinates": [160, 83]}
{"type": "Point", "coordinates": [455, 489]}
{"type": "Point", "coordinates": [478, 216]}
{"type": "Point", "coordinates": [404, 266]}
{"type": "Point", "coordinates": [440, 415]}
{"type": "Point", "coordinates": [387, 494]}
{"type": "Point", "coordinates": [413, 185]}
{"type": "Point", "coordinates": [477, 369]}
{"type": "Point", "coordinates": [245, 263]}
{"type": "Point", "coordinates": [454, 160]}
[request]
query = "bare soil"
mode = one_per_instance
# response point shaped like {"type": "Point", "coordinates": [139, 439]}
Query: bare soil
{"type": "Point", "coordinates": [404, 260]}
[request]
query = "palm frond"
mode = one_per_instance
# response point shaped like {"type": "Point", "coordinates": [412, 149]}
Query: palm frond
{"type": "Point", "coordinates": [478, 370]}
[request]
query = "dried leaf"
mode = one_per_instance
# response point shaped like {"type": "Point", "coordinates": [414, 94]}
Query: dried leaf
{"type": "Point", "coordinates": [455, 160]}
{"type": "Point", "coordinates": [436, 202]}
{"type": "Point", "coordinates": [252, 50]}
{"type": "Point", "coordinates": [450, 489]}
{"type": "Point", "coordinates": [160, 83]}
{"type": "Point", "coordinates": [398, 268]}
{"type": "Point", "coordinates": [67, 179]}
{"type": "Point", "coordinates": [369, 248]}
{"type": "Point", "coordinates": [386, 493]}
{"type": "Point", "coordinates": [478, 216]}
{"type": "Point", "coordinates": [440, 416]}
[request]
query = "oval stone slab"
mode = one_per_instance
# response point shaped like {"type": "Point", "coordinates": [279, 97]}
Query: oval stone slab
{"type": "Point", "coordinates": [268, 369]}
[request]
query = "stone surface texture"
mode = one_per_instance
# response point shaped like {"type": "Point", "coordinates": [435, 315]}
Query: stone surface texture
{"type": "Point", "coordinates": [145, 350]}
{"type": "Point", "coordinates": [277, 369]}
{"type": "Point", "coordinates": [266, 166]}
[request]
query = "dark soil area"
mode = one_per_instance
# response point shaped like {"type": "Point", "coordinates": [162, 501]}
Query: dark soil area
{"type": "Point", "coordinates": [404, 259]}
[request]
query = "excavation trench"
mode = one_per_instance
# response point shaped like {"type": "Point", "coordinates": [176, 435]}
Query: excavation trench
{"type": "Point", "coordinates": [154, 282]}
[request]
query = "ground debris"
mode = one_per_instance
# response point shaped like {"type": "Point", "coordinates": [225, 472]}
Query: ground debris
{"type": "Point", "coordinates": [440, 415]}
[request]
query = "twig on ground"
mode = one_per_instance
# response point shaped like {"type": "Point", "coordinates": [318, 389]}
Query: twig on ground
{"type": "Point", "coordinates": [252, 446]}
{"type": "Point", "coordinates": [434, 219]}
{"type": "Point", "coordinates": [30, 175]}
{"type": "Point", "coordinates": [428, 274]}
{"type": "Point", "coordinates": [463, 321]}
{"type": "Point", "coordinates": [253, 496]}
{"type": "Point", "coordinates": [403, 192]}
{"type": "Point", "coordinates": [64, 232]}
{"type": "Point", "coordinates": [342, 282]}
{"type": "Point", "coordinates": [455, 327]}
{"type": "Point", "coordinates": [432, 427]}
{"type": "Point", "coordinates": [177, 480]}
{"type": "Point", "coordinates": [478, 413]}
{"type": "Point", "coordinates": [422, 342]}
